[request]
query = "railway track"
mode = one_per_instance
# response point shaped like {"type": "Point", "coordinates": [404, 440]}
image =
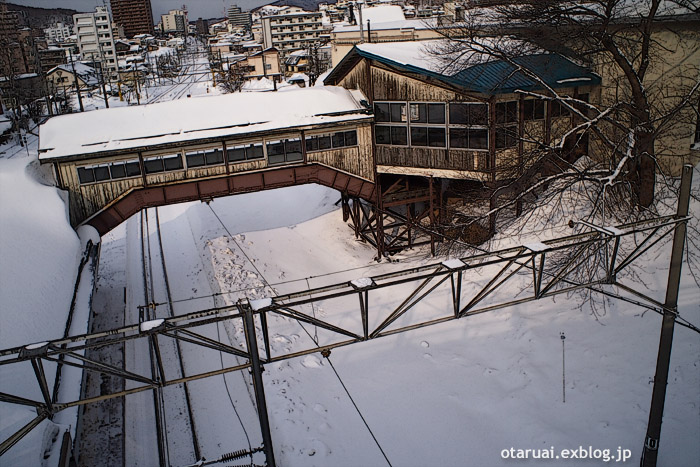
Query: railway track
{"type": "Point", "coordinates": [176, 433]}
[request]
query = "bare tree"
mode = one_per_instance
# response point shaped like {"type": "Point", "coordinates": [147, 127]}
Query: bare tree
{"type": "Point", "coordinates": [648, 97]}
{"type": "Point", "coordinates": [231, 79]}
{"type": "Point", "coordinates": [317, 62]}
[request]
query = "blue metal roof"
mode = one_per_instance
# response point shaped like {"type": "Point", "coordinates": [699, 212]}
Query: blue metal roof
{"type": "Point", "coordinates": [503, 77]}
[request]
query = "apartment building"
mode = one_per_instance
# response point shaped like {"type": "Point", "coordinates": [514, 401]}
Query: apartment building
{"type": "Point", "coordinates": [57, 33]}
{"type": "Point", "coordinates": [95, 40]}
{"type": "Point", "coordinates": [135, 16]}
{"type": "Point", "coordinates": [292, 29]}
{"type": "Point", "coordinates": [175, 22]}
{"type": "Point", "coordinates": [240, 19]}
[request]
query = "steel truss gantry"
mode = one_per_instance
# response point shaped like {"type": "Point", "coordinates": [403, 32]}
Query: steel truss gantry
{"type": "Point", "coordinates": [387, 304]}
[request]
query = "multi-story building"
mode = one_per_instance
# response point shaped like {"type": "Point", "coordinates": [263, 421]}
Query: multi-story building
{"type": "Point", "coordinates": [202, 26]}
{"type": "Point", "coordinates": [135, 16]}
{"type": "Point", "coordinates": [175, 22]}
{"type": "Point", "coordinates": [11, 57]}
{"type": "Point", "coordinates": [59, 32]}
{"type": "Point", "coordinates": [288, 32]}
{"type": "Point", "coordinates": [240, 19]}
{"type": "Point", "coordinates": [95, 41]}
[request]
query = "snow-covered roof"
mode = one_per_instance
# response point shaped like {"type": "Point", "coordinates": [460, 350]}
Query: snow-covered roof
{"type": "Point", "coordinates": [383, 14]}
{"type": "Point", "coordinates": [426, 23]}
{"type": "Point", "coordinates": [188, 120]}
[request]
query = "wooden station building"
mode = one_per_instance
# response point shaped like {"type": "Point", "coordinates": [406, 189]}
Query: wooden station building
{"type": "Point", "coordinates": [390, 131]}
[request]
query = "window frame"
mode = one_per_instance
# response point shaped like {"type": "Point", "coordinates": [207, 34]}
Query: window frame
{"type": "Point", "coordinates": [468, 126]}
{"type": "Point", "coordinates": [203, 152]}
{"type": "Point", "coordinates": [109, 167]}
{"type": "Point", "coordinates": [309, 138]}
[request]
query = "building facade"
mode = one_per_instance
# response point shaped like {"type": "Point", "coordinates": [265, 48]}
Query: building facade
{"type": "Point", "coordinates": [95, 41]}
{"type": "Point", "coordinates": [175, 22]}
{"type": "Point", "coordinates": [240, 19]}
{"type": "Point", "coordinates": [135, 16]}
{"type": "Point", "coordinates": [57, 33]}
{"type": "Point", "coordinates": [288, 32]}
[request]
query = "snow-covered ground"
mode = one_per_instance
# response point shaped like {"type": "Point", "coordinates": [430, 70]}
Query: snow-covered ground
{"type": "Point", "coordinates": [453, 394]}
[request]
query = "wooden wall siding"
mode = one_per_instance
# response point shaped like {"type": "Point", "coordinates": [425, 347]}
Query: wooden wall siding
{"type": "Point", "coordinates": [428, 158]}
{"type": "Point", "coordinates": [357, 79]}
{"type": "Point", "coordinates": [560, 125]}
{"type": "Point", "coordinates": [393, 86]}
{"type": "Point", "coordinates": [92, 198]}
{"type": "Point", "coordinates": [356, 160]}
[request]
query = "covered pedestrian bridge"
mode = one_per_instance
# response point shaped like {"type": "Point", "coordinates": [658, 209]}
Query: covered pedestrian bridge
{"type": "Point", "coordinates": [115, 162]}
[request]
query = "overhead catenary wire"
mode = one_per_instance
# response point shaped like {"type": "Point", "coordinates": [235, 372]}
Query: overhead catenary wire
{"type": "Point", "coordinates": [315, 340]}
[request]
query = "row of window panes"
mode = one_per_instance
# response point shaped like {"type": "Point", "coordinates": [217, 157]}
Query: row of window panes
{"type": "Point", "coordinates": [460, 138]}
{"type": "Point", "coordinates": [466, 113]}
{"type": "Point", "coordinates": [112, 171]}
{"type": "Point", "coordinates": [340, 139]}
{"type": "Point", "coordinates": [279, 152]}
{"type": "Point", "coordinates": [283, 151]}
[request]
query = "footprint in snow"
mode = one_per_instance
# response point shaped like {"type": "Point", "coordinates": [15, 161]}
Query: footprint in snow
{"type": "Point", "coordinates": [311, 361]}
{"type": "Point", "coordinates": [424, 344]}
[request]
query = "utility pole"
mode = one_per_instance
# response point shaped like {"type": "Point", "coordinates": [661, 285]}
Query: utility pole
{"type": "Point", "coordinates": [256, 367]}
{"type": "Point", "coordinates": [658, 397]}
{"type": "Point", "coordinates": [75, 79]}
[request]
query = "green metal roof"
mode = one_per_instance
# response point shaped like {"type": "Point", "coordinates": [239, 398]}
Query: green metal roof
{"type": "Point", "coordinates": [494, 77]}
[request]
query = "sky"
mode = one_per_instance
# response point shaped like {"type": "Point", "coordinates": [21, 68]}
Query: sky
{"type": "Point", "coordinates": [196, 8]}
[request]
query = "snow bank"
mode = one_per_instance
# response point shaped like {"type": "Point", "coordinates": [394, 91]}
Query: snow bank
{"type": "Point", "coordinates": [40, 253]}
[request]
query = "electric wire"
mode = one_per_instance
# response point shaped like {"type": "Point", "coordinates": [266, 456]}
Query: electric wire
{"type": "Point", "coordinates": [195, 441]}
{"type": "Point", "coordinates": [315, 340]}
{"type": "Point", "coordinates": [157, 396]}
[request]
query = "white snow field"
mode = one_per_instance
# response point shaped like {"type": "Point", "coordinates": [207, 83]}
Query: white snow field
{"type": "Point", "coordinates": [454, 394]}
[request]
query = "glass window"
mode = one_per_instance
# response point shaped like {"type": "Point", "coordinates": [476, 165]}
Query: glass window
{"type": "Point", "coordinates": [436, 113]}
{"type": "Point", "coordinates": [236, 154]}
{"type": "Point", "coordinates": [458, 138]}
{"type": "Point", "coordinates": [436, 137]}
{"type": "Point", "coordinates": [506, 137]}
{"type": "Point", "coordinates": [382, 134]}
{"type": "Point", "coordinates": [311, 143]}
{"type": "Point", "coordinates": [324, 142]}
{"type": "Point", "coordinates": [458, 114]}
{"type": "Point", "coordinates": [351, 138]}
{"type": "Point", "coordinates": [293, 149]}
{"type": "Point", "coordinates": [507, 112]}
{"type": "Point", "coordinates": [86, 175]}
{"type": "Point", "coordinates": [419, 113]}
{"type": "Point", "coordinates": [533, 109]}
{"type": "Point", "coordinates": [214, 157]}
{"type": "Point", "coordinates": [381, 112]}
{"type": "Point", "coordinates": [154, 165]}
{"type": "Point", "coordinates": [559, 110]}
{"type": "Point", "coordinates": [338, 139]}
{"type": "Point", "coordinates": [478, 139]}
{"type": "Point", "coordinates": [101, 173]}
{"type": "Point", "coordinates": [133, 169]}
{"type": "Point", "coordinates": [469, 114]}
{"type": "Point", "coordinates": [398, 112]}
{"type": "Point", "coordinates": [255, 151]}
{"type": "Point", "coordinates": [117, 170]}
{"type": "Point", "coordinates": [194, 159]}
{"type": "Point", "coordinates": [173, 162]}
{"type": "Point", "coordinates": [399, 135]}
{"type": "Point", "coordinates": [419, 136]}
{"type": "Point", "coordinates": [275, 152]}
